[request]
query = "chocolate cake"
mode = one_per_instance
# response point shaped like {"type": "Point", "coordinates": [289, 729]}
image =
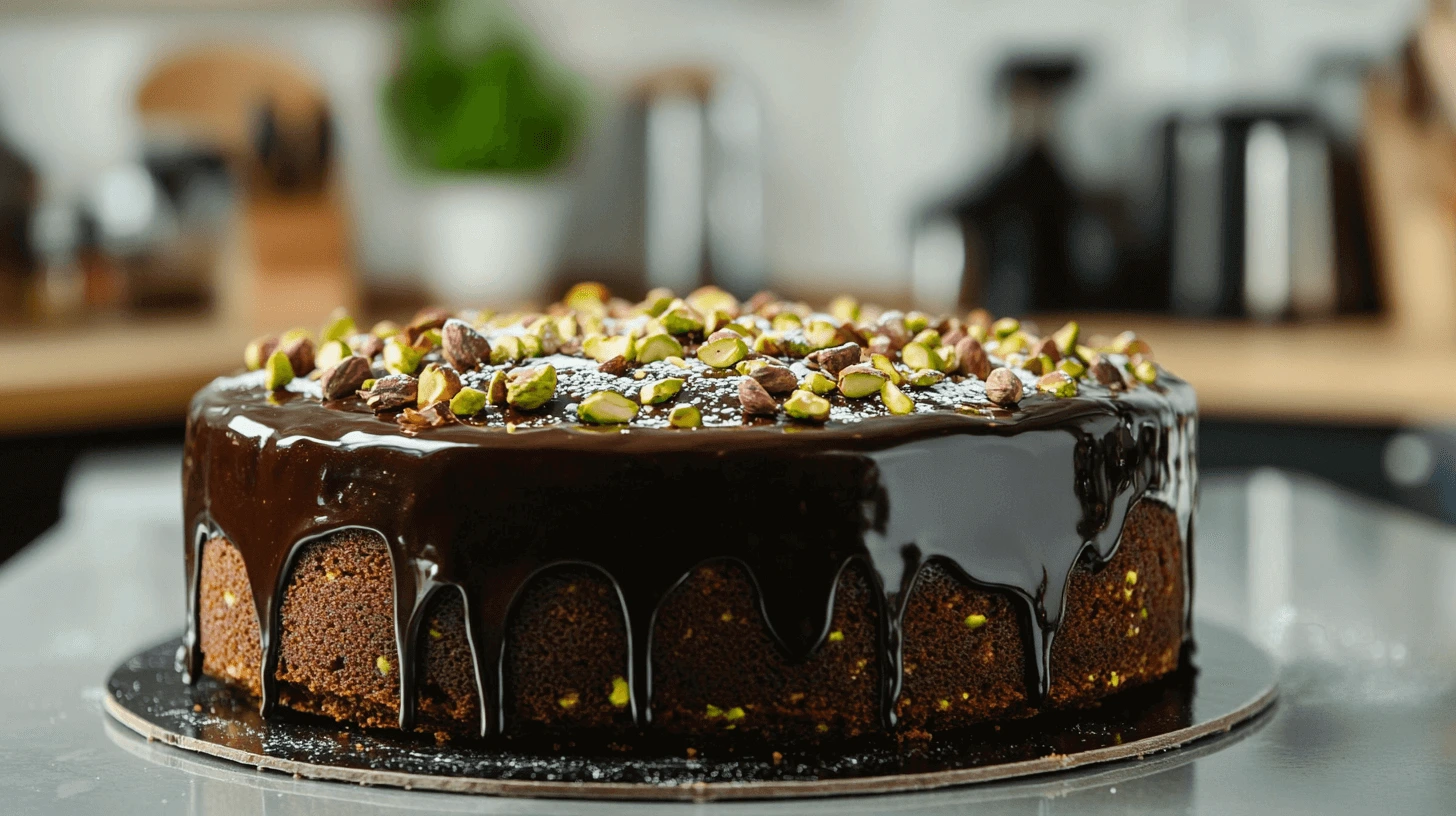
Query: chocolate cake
{"type": "Point", "coordinates": [696, 518]}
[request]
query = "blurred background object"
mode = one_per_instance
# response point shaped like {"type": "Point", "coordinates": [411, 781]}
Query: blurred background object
{"type": "Point", "coordinates": [1264, 191]}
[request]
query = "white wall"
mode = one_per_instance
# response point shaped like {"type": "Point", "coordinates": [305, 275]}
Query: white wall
{"type": "Point", "coordinates": [872, 106]}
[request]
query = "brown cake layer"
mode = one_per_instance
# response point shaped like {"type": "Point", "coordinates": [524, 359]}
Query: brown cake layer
{"type": "Point", "coordinates": [715, 665]}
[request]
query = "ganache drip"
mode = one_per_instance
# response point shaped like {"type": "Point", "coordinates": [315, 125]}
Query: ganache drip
{"type": "Point", "coordinates": [1011, 501]}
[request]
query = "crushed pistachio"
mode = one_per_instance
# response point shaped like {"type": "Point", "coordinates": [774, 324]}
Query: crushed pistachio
{"type": "Point", "coordinates": [725, 352]}
{"type": "Point", "coordinates": [661, 346]}
{"type": "Point", "coordinates": [975, 621]}
{"type": "Point", "coordinates": [836, 636]}
{"type": "Point", "coordinates": [606, 408]}
{"type": "Point", "coordinates": [468, 402]}
{"type": "Point", "coordinates": [817, 383]}
{"type": "Point", "coordinates": [279, 373]}
{"type": "Point", "coordinates": [382, 663]}
{"type": "Point", "coordinates": [807, 406]}
{"type": "Point", "coordinates": [896, 400]}
{"type": "Point", "coordinates": [685, 416]}
{"type": "Point", "coordinates": [621, 694]}
{"type": "Point", "coordinates": [569, 700]}
{"type": "Point", "coordinates": [659, 391]}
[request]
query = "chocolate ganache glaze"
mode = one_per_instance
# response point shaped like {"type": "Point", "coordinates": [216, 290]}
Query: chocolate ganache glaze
{"type": "Point", "coordinates": [1007, 497]}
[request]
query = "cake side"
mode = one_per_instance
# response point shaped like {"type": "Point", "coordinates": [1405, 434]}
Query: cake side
{"type": "Point", "coordinates": [718, 669]}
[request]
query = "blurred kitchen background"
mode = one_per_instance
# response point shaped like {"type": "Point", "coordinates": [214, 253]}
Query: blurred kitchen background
{"type": "Point", "coordinates": [1265, 190]}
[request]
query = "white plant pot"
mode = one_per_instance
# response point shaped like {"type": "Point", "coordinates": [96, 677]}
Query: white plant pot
{"type": "Point", "coordinates": [491, 241]}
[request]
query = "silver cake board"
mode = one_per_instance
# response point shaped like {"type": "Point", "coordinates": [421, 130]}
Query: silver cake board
{"type": "Point", "coordinates": [1230, 681]}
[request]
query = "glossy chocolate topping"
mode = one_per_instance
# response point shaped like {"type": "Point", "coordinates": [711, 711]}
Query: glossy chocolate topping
{"type": "Point", "coordinates": [1007, 498]}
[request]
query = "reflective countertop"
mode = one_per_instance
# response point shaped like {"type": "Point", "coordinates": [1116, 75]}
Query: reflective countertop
{"type": "Point", "coordinates": [1356, 601]}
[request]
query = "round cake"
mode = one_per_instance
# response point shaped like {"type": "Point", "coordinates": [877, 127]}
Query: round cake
{"type": "Point", "coordinates": [689, 517]}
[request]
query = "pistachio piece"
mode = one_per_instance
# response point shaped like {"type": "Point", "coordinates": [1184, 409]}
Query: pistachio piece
{"type": "Point", "coordinates": [836, 359]}
{"type": "Point", "coordinates": [385, 329]}
{"type": "Point", "coordinates": [680, 318]}
{"type": "Point", "coordinates": [602, 348]}
{"type": "Point", "coordinates": [685, 416]}
{"type": "Point", "coordinates": [949, 359]}
{"type": "Point", "coordinates": [505, 349]}
{"type": "Point", "coordinates": [1129, 344]}
{"type": "Point", "coordinates": [1058, 384]}
{"type": "Point", "coordinates": [721, 334]}
{"type": "Point", "coordinates": [807, 406]}
{"type": "Point", "coordinates": [975, 621]}
{"type": "Point", "coordinates": [256, 355]}
{"type": "Point", "coordinates": [529, 388]}
{"type": "Point", "coordinates": [366, 345]}
{"type": "Point", "coordinates": [531, 346]}
{"type": "Point", "coordinates": [923, 377]}
{"type": "Point", "coordinates": [392, 392]}
{"type": "Point", "coordinates": [659, 391]}
{"type": "Point", "coordinates": [887, 368]}
{"type": "Point", "coordinates": [896, 400]}
{"type": "Point", "coordinates": [367, 385]}
{"type": "Point", "coordinates": [296, 333]}
{"type": "Point", "coordinates": [1086, 353]}
{"type": "Point", "coordinates": [656, 302]}
{"type": "Point", "coordinates": [1047, 347]}
{"type": "Point", "coordinates": [278, 371]}
{"type": "Point", "coordinates": [1013, 343]}
{"type": "Point", "coordinates": [916, 321]}
{"type": "Point", "coordinates": [495, 389]}
{"type": "Point", "coordinates": [1005, 327]}
{"type": "Point", "coordinates": [679, 362]}
{"type": "Point", "coordinates": [844, 308]}
{"type": "Point", "coordinates": [817, 383]}
{"type": "Point", "coordinates": [760, 302]}
{"type": "Point", "coordinates": [859, 381]}
{"type": "Point", "coordinates": [1106, 373]}
{"type": "Point", "coordinates": [586, 296]}
{"type": "Point", "coordinates": [754, 399]}
{"type": "Point", "coordinates": [723, 352]}
{"type": "Point", "coordinates": [775, 379]}
{"type": "Point", "coordinates": [462, 346]}
{"type": "Point", "coordinates": [468, 402]}
{"type": "Point", "coordinates": [606, 408]}
{"type": "Point", "coordinates": [709, 299]}
{"type": "Point", "coordinates": [1072, 367]}
{"type": "Point", "coordinates": [1066, 337]}
{"type": "Point", "coordinates": [820, 333]}
{"type": "Point", "coordinates": [330, 353]}
{"type": "Point", "coordinates": [344, 377]}
{"type": "Point", "coordinates": [544, 330]}
{"type": "Point", "coordinates": [1145, 372]}
{"type": "Point", "coordinates": [917, 355]}
{"type": "Point", "coordinates": [617, 366]}
{"type": "Point", "coordinates": [1039, 364]}
{"type": "Point", "coordinates": [971, 358]}
{"type": "Point", "coordinates": [1003, 387]}
{"type": "Point", "coordinates": [430, 317]}
{"type": "Point", "coordinates": [658, 346]}
{"type": "Point", "coordinates": [930, 338]}
{"type": "Point", "coordinates": [786, 321]}
{"type": "Point", "coordinates": [747, 367]}
{"type": "Point", "coordinates": [437, 384]}
{"type": "Point", "coordinates": [400, 358]}
{"type": "Point", "coordinates": [300, 354]}
{"type": "Point", "coordinates": [566, 327]}
{"type": "Point", "coordinates": [341, 327]}
{"type": "Point", "coordinates": [769, 344]}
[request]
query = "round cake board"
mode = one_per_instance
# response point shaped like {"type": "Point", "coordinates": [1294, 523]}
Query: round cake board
{"type": "Point", "coordinates": [1230, 681]}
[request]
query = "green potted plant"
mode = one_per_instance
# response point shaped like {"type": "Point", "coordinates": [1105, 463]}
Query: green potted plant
{"type": "Point", "coordinates": [490, 122]}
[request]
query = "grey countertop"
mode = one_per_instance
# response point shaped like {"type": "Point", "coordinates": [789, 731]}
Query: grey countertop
{"type": "Point", "coordinates": [1357, 602]}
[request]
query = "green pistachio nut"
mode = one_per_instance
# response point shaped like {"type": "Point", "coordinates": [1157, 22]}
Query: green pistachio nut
{"type": "Point", "coordinates": [385, 329]}
{"type": "Point", "coordinates": [278, 371]}
{"type": "Point", "coordinates": [1066, 337]}
{"type": "Point", "coordinates": [678, 361]}
{"type": "Point", "coordinates": [918, 355]}
{"type": "Point", "coordinates": [1005, 327]}
{"type": "Point", "coordinates": [401, 358]}
{"type": "Point", "coordinates": [656, 302]}
{"type": "Point", "coordinates": [820, 334]}
{"type": "Point", "coordinates": [786, 321]}
{"type": "Point", "coordinates": [1014, 343]}
{"type": "Point", "coordinates": [437, 385]}
{"type": "Point", "coordinates": [807, 406]}
{"type": "Point", "coordinates": [587, 296]}
{"type": "Point", "coordinates": [769, 343]}
{"type": "Point", "coordinates": [950, 359]}
{"type": "Point", "coordinates": [725, 352]}
{"type": "Point", "coordinates": [660, 391]}
{"type": "Point", "coordinates": [529, 388]}
{"type": "Point", "coordinates": [602, 348]}
{"type": "Point", "coordinates": [923, 377]}
{"type": "Point", "coordinates": [340, 328]}
{"type": "Point", "coordinates": [567, 327]}
{"type": "Point", "coordinates": [495, 388]}
{"type": "Point", "coordinates": [977, 331]}
{"type": "Point", "coordinates": [292, 335]}
{"type": "Point", "coordinates": [709, 299]}
{"type": "Point", "coordinates": [817, 383]}
{"type": "Point", "coordinates": [504, 349]}
{"type": "Point", "coordinates": [330, 353]}
{"type": "Point", "coordinates": [860, 381]}
{"type": "Point", "coordinates": [680, 318]}
{"type": "Point", "coordinates": [658, 346]}
{"type": "Point", "coordinates": [685, 416]}
{"type": "Point", "coordinates": [468, 402]}
{"type": "Point", "coordinates": [606, 408]}
{"type": "Point", "coordinates": [1145, 372]}
{"type": "Point", "coordinates": [256, 355]}
{"type": "Point", "coordinates": [1058, 384]}
{"type": "Point", "coordinates": [896, 400]}
{"type": "Point", "coordinates": [531, 346]}
{"type": "Point", "coordinates": [930, 338]}
{"type": "Point", "coordinates": [844, 308]}
{"type": "Point", "coordinates": [887, 368]}
{"type": "Point", "coordinates": [747, 367]}
{"type": "Point", "coordinates": [916, 321]}
{"type": "Point", "coordinates": [1072, 367]}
